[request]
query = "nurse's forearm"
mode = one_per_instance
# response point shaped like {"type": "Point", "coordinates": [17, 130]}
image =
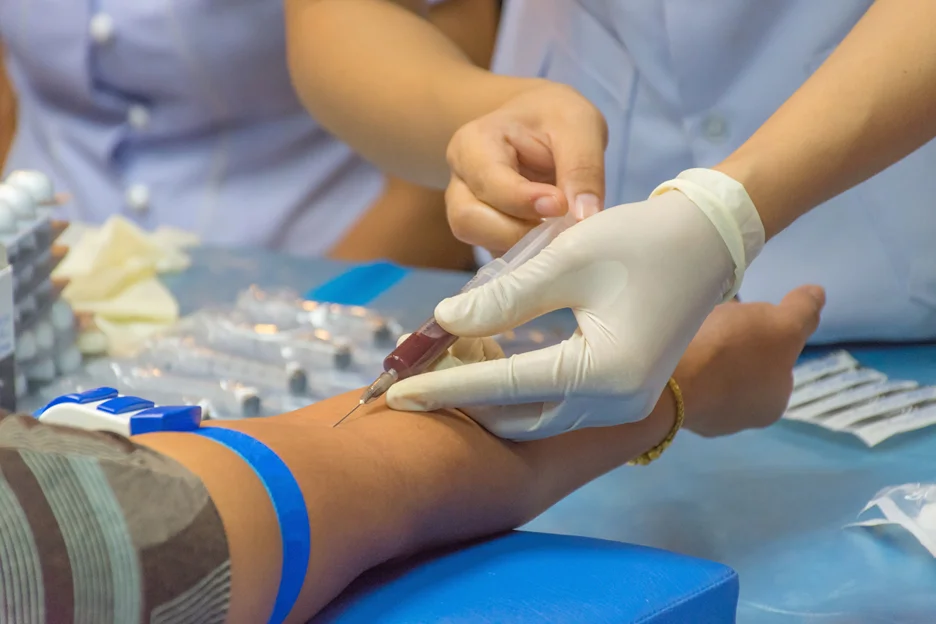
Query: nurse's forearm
{"type": "Point", "coordinates": [869, 105]}
{"type": "Point", "coordinates": [388, 82]}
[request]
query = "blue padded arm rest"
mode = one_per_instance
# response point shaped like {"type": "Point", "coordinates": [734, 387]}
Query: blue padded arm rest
{"type": "Point", "coordinates": [537, 577]}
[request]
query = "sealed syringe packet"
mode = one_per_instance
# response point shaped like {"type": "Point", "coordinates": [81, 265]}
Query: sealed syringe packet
{"type": "Point", "coordinates": [232, 398]}
{"type": "Point", "coordinates": [835, 393]}
{"type": "Point", "coordinates": [911, 506]}
{"type": "Point", "coordinates": [833, 384]}
{"type": "Point", "coordinates": [831, 364]}
{"type": "Point", "coordinates": [286, 310]}
{"type": "Point", "coordinates": [915, 417]}
{"type": "Point", "coordinates": [859, 396]}
{"type": "Point", "coordinates": [879, 408]}
{"type": "Point", "coordinates": [231, 333]}
{"type": "Point", "coordinates": [182, 355]}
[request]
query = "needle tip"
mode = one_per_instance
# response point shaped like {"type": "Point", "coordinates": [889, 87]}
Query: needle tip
{"type": "Point", "coordinates": [345, 417]}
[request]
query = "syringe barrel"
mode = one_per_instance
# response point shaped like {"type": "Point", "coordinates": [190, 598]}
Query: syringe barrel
{"type": "Point", "coordinates": [429, 342]}
{"type": "Point", "coordinates": [420, 349]}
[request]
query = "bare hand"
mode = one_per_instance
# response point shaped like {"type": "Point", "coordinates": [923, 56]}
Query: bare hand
{"type": "Point", "coordinates": [539, 155]}
{"type": "Point", "coordinates": [738, 371]}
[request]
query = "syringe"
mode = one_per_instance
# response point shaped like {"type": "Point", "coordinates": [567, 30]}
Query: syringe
{"type": "Point", "coordinates": [425, 345]}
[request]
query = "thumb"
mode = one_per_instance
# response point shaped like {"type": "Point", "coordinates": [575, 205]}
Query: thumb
{"type": "Point", "coordinates": [580, 174]}
{"type": "Point", "coordinates": [803, 306]}
{"type": "Point", "coordinates": [527, 292]}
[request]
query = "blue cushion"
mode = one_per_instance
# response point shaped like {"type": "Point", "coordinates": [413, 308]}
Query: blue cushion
{"type": "Point", "coordinates": [537, 577]}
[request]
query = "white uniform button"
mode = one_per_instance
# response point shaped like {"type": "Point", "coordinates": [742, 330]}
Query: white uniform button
{"type": "Point", "coordinates": [714, 127]}
{"type": "Point", "coordinates": [138, 116]}
{"type": "Point", "coordinates": [101, 28]}
{"type": "Point", "coordinates": [138, 198]}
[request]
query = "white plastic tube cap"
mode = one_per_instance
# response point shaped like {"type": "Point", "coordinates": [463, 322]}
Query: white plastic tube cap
{"type": "Point", "coordinates": [45, 336]}
{"type": "Point", "coordinates": [7, 218]}
{"type": "Point", "coordinates": [26, 348]}
{"type": "Point", "coordinates": [42, 371]}
{"type": "Point", "coordinates": [37, 184]}
{"type": "Point", "coordinates": [22, 204]}
{"type": "Point", "coordinates": [61, 316]}
{"type": "Point", "coordinates": [68, 361]}
{"type": "Point", "coordinates": [22, 385]}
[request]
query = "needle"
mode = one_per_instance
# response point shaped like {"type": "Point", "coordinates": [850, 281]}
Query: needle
{"type": "Point", "coordinates": [348, 414]}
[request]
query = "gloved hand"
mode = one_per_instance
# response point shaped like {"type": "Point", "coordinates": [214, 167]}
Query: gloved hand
{"type": "Point", "coordinates": [641, 278]}
{"type": "Point", "coordinates": [736, 374]}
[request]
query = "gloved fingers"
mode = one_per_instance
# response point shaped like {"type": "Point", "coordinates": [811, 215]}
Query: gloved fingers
{"type": "Point", "coordinates": [531, 290]}
{"type": "Point", "coordinates": [511, 422]}
{"type": "Point", "coordinates": [541, 375]}
{"type": "Point", "coordinates": [487, 155]}
{"type": "Point", "coordinates": [476, 222]}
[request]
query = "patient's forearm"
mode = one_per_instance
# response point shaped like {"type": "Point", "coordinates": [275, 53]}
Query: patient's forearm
{"type": "Point", "coordinates": [387, 484]}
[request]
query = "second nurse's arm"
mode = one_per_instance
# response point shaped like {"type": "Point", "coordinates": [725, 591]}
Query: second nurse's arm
{"type": "Point", "coordinates": [385, 231]}
{"type": "Point", "coordinates": [388, 82]}
{"type": "Point", "coordinates": [869, 105]}
{"type": "Point", "coordinates": [7, 111]}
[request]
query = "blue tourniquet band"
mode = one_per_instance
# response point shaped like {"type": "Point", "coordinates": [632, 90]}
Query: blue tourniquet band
{"type": "Point", "coordinates": [289, 505]}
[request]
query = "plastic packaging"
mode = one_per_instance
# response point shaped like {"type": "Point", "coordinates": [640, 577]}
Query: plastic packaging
{"type": "Point", "coordinates": [231, 398]}
{"type": "Point", "coordinates": [875, 432]}
{"type": "Point", "coordinates": [183, 356]}
{"type": "Point", "coordinates": [848, 398]}
{"type": "Point", "coordinates": [911, 506]}
{"type": "Point", "coordinates": [306, 348]}
{"type": "Point", "coordinates": [829, 385]}
{"type": "Point", "coordinates": [831, 364]}
{"type": "Point", "coordinates": [287, 311]}
{"type": "Point", "coordinates": [886, 406]}
{"type": "Point", "coordinates": [837, 396]}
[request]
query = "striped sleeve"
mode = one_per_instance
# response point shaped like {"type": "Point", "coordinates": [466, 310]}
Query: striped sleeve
{"type": "Point", "coordinates": [96, 529]}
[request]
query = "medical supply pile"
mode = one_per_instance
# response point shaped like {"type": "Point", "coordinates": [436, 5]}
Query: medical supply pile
{"type": "Point", "coordinates": [836, 393]}
{"type": "Point", "coordinates": [269, 353]}
{"type": "Point", "coordinates": [41, 325]}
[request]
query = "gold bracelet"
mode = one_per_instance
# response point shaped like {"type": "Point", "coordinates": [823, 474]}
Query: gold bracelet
{"type": "Point", "coordinates": [654, 453]}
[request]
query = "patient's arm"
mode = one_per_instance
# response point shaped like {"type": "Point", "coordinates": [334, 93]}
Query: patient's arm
{"type": "Point", "coordinates": [387, 484]}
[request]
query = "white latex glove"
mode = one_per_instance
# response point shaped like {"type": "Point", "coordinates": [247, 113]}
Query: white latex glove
{"type": "Point", "coordinates": [641, 278]}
